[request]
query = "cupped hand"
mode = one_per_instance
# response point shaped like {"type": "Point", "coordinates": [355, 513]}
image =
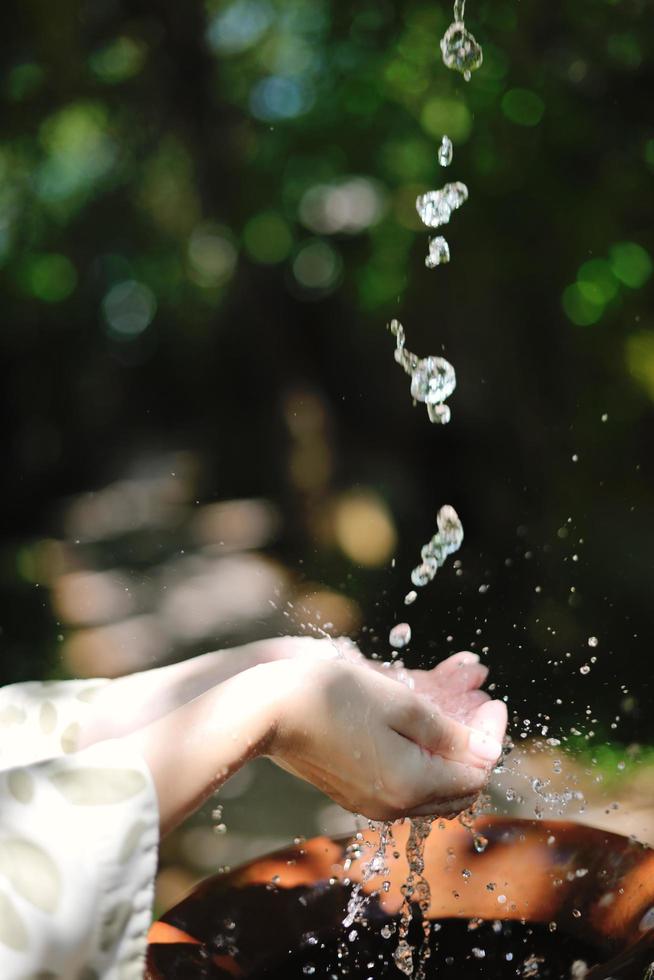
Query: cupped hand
{"type": "Point", "coordinates": [453, 685]}
{"type": "Point", "coordinates": [378, 747]}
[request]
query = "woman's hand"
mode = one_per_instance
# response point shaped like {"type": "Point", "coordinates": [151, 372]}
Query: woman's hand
{"type": "Point", "coordinates": [381, 749]}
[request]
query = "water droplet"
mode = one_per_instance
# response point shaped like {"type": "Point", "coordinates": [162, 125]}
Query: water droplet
{"type": "Point", "coordinates": [576, 913]}
{"type": "Point", "coordinates": [308, 968]}
{"type": "Point", "coordinates": [450, 528]}
{"type": "Point", "coordinates": [466, 873]}
{"type": "Point", "coordinates": [439, 252]}
{"type": "Point", "coordinates": [435, 207]}
{"type": "Point", "coordinates": [421, 575]}
{"type": "Point", "coordinates": [461, 52]}
{"type": "Point", "coordinates": [400, 636]}
{"type": "Point", "coordinates": [478, 953]}
{"type": "Point", "coordinates": [410, 597]}
{"type": "Point", "coordinates": [439, 414]}
{"type": "Point", "coordinates": [584, 669]}
{"type": "Point", "coordinates": [605, 417]}
{"type": "Point", "coordinates": [445, 152]}
{"type": "Point", "coordinates": [433, 380]}
{"type": "Point", "coordinates": [220, 828]}
{"type": "Point", "coordinates": [592, 641]}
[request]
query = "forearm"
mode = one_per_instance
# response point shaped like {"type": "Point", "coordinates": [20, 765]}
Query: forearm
{"type": "Point", "coordinates": [134, 701]}
{"type": "Point", "coordinates": [192, 750]}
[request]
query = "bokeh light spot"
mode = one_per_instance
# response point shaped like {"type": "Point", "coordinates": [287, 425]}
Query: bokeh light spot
{"type": "Point", "coordinates": [631, 264]}
{"type": "Point", "coordinates": [443, 115]}
{"type": "Point", "coordinates": [639, 355]}
{"type": "Point", "coordinates": [211, 255]}
{"type": "Point", "coordinates": [277, 98]}
{"type": "Point", "coordinates": [597, 282]}
{"type": "Point", "coordinates": [50, 277]}
{"type": "Point", "coordinates": [267, 238]}
{"type": "Point", "coordinates": [364, 529]}
{"type": "Point", "coordinates": [523, 107]}
{"type": "Point", "coordinates": [80, 151]}
{"type": "Point", "coordinates": [317, 266]}
{"type": "Point", "coordinates": [348, 206]}
{"type": "Point", "coordinates": [580, 307]}
{"type": "Point", "coordinates": [119, 60]}
{"type": "Point", "coordinates": [239, 26]}
{"type": "Point", "coordinates": [23, 81]}
{"type": "Point", "coordinates": [129, 308]}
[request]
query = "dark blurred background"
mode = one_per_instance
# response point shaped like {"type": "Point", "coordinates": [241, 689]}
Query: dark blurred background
{"type": "Point", "coordinates": [207, 219]}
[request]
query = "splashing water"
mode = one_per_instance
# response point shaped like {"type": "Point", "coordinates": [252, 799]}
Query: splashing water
{"type": "Point", "coordinates": [461, 51]}
{"type": "Point", "coordinates": [432, 379]}
{"type": "Point", "coordinates": [445, 542]}
{"type": "Point", "coordinates": [400, 636]}
{"type": "Point", "coordinates": [375, 867]}
{"type": "Point", "coordinates": [415, 891]}
{"type": "Point", "coordinates": [435, 207]}
{"type": "Point", "coordinates": [439, 252]}
{"type": "Point", "coordinates": [445, 152]}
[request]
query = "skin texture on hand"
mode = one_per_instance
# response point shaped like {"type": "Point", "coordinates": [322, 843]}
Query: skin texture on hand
{"type": "Point", "coordinates": [379, 748]}
{"type": "Point", "coordinates": [381, 741]}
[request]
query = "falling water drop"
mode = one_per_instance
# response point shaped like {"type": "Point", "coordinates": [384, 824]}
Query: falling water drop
{"type": "Point", "coordinates": [435, 207]}
{"type": "Point", "coordinates": [439, 252]}
{"type": "Point", "coordinates": [446, 541]}
{"type": "Point", "coordinates": [440, 414]}
{"type": "Point", "coordinates": [593, 641]}
{"type": "Point", "coordinates": [445, 152]}
{"type": "Point", "coordinates": [400, 636]}
{"type": "Point", "coordinates": [461, 52]}
{"type": "Point", "coordinates": [433, 379]}
{"type": "Point", "coordinates": [410, 597]}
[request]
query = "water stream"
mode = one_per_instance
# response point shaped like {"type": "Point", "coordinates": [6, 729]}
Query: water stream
{"type": "Point", "coordinates": [433, 381]}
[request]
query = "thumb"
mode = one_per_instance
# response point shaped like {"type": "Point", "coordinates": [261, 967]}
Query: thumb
{"type": "Point", "coordinates": [442, 735]}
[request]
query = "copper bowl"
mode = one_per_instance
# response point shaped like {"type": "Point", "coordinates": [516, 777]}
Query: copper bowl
{"type": "Point", "coordinates": [574, 892]}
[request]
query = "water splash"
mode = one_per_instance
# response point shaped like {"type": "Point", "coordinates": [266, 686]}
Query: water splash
{"type": "Point", "coordinates": [375, 867]}
{"type": "Point", "coordinates": [461, 51]}
{"type": "Point", "coordinates": [416, 891]}
{"type": "Point", "coordinates": [435, 207]}
{"type": "Point", "coordinates": [439, 252]}
{"type": "Point", "coordinates": [445, 542]}
{"type": "Point", "coordinates": [445, 152]}
{"type": "Point", "coordinates": [432, 378]}
{"type": "Point", "coordinates": [400, 636]}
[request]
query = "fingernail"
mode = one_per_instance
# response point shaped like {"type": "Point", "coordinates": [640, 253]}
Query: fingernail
{"type": "Point", "coordinates": [485, 747]}
{"type": "Point", "coordinates": [469, 658]}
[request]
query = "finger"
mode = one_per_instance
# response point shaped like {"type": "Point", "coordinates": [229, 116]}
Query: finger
{"type": "Point", "coordinates": [348, 649]}
{"type": "Point", "coordinates": [453, 663]}
{"type": "Point", "coordinates": [491, 718]}
{"type": "Point", "coordinates": [465, 677]}
{"type": "Point", "coordinates": [442, 779]}
{"type": "Point", "coordinates": [461, 706]}
{"type": "Point", "coordinates": [445, 808]}
{"type": "Point", "coordinates": [442, 735]}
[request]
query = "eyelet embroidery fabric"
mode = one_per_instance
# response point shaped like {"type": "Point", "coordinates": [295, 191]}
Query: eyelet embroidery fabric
{"type": "Point", "coordinates": [79, 833]}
